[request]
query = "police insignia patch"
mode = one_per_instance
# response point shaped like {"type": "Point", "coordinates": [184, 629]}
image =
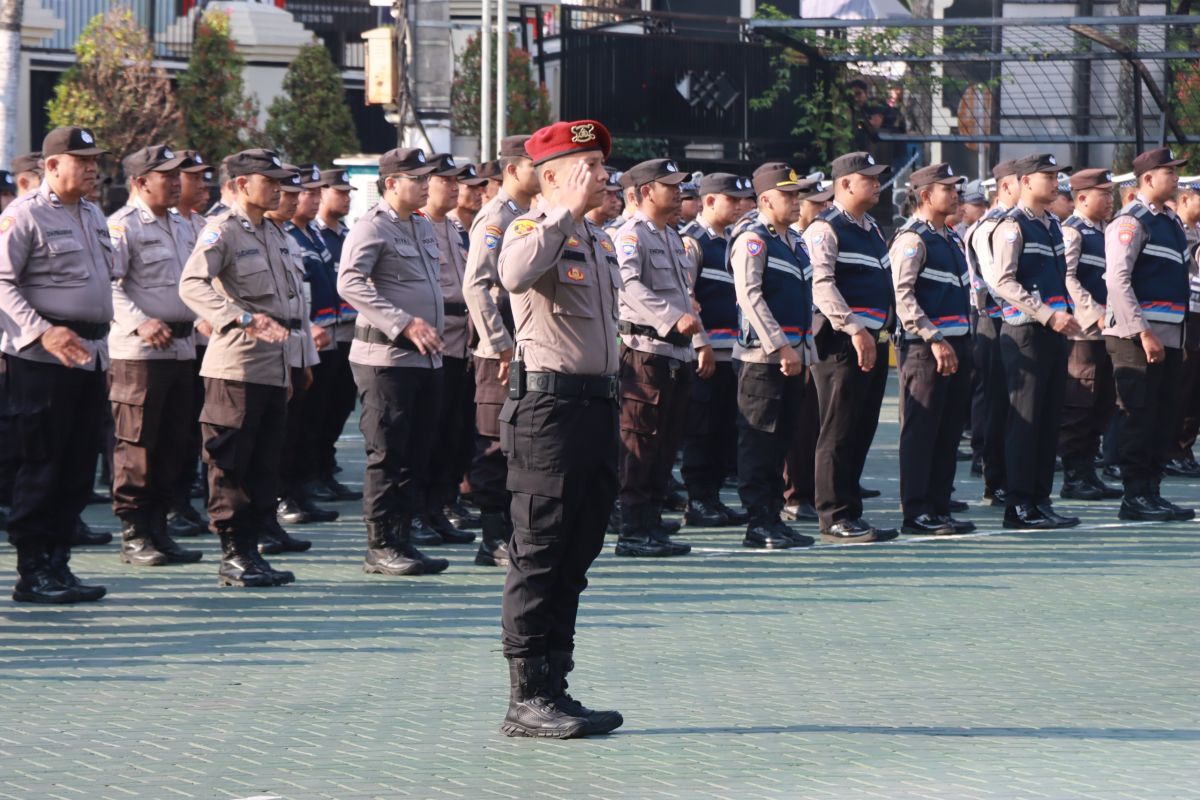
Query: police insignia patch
{"type": "Point", "coordinates": [1011, 236]}
{"type": "Point", "coordinates": [575, 274]}
{"type": "Point", "coordinates": [5, 224]}
{"type": "Point", "coordinates": [493, 230]}
{"type": "Point", "coordinates": [490, 240]}
{"type": "Point", "coordinates": [582, 134]}
{"type": "Point", "coordinates": [608, 246]}
{"type": "Point", "coordinates": [572, 241]}
{"type": "Point", "coordinates": [909, 252]}
{"type": "Point", "coordinates": [820, 237]}
{"type": "Point", "coordinates": [754, 246]}
{"type": "Point", "coordinates": [210, 237]}
{"type": "Point", "coordinates": [523, 227]}
{"type": "Point", "coordinates": [1125, 235]}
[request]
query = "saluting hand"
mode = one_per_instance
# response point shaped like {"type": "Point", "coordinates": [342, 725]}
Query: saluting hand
{"type": "Point", "coordinates": [424, 336]}
{"type": "Point", "coordinates": [576, 192]}
{"type": "Point", "coordinates": [155, 333]}
{"type": "Point", "coordinates": [65, 345]}
{"type": "Point", "coordinates": [864, 346]}
{"type": "Point", "coordinates": [267, 329]}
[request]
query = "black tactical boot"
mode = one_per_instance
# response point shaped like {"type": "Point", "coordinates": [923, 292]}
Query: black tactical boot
{"type": "Point", "coordinates": [36, 579]}
{"type": "Point", "coordinates": [462, 517]}
{"type": "Point", "coordinates": [437, 520]}
{"type": "Point", "coordinates": [493, 549]}
{"type": "Point", "coordinates": [84, 536]}
{"type": "Point", "coordinates": [559, 663]}
{"type": "Point", "coordinates": [421, 532]}
{"type": "Point", "coordinates": [184, 521]}
{"type": "Point", "coordinates": [273, 539]}
{"type": "Point", "coordinates": [60, 556]}
{"type": "Point", "coordinates": [639, 537]}
{"type": "Point", "coordinates": [763, 533]}
{"type": "Point", "coordinates": [1139, 504]}
{"type": "Point", "coordinates": [168, 546]}
{"type": "Point", "coordinates": [1106, 491]}
{"type": "Point", "coordinates": [248, 543]}
{"type": "Point", "coordinates": [661, 530]}
{"type": "Point", "coordinates": [531, 710]}
{"type": "Point", "coordinates": [1178, 513]}
{"type": "Point", "coordinates": [137, 543]}
{"type": "Point", "coordinates": [1076, 485]}
{"type": "Point", "coordinates": [703, 512]}
{"type": "Point", "coordinates": [383, 553]}
{"type": "Point", "coordinates": [736, 516]}
{"type": "Point", "coordinates": [237, 568]}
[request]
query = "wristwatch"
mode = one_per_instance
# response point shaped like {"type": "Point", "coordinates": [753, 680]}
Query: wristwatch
{"type": "Point", "coordinates": [938, 336]}
{"type": "Point", "coordinates": [245, 320]}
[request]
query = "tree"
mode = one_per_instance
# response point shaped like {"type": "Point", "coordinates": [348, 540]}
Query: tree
{"type": "Point", "coordinates": [10, 53]}
{"type": "Point", "coordinates": [310, 121]}
{"type": "Point", "coordinates": [218, 117]}
{"type": "Point", "coordinates": [114, 88]}
{"type": "Point", "coordinates": [528, 103]}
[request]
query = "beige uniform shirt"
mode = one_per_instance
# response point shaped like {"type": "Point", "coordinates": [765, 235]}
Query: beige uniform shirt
{"type": "Point", "coordinates": [198, 221]}
{"type": "Point", "coordinates": [908, 256]}
{"type": "Point", "coordinates": [486, 297]}
{"type": "Point", "coordinates": [748, 271]}
{"type": "Point", "coordinates": [565, 308]}
{"type": "Point", "coordinates": [821, 241]}
{"type": "Point", "coordinates": [53, 265]}
{"type": "Point", "coordinates": [239, 267]}
{"type": "Point", "coordinates": [390, 274]}
{"type": "Point", "coordinates": [1088, 310]}
{"type": "Point", "coordinates": [1001, 273]}
{"type": "Point", "coordinates": [148, 258]}
{"type": "Point", "coordinates": [452, 264]}
{"type": "Point", "coordinates": [656, 286]}
{"type": "Point", "coordinates": [979, 257]}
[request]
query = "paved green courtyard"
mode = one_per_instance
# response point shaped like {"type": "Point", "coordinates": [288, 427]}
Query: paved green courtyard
{"type": "Point", "coordinates": [995, 665]}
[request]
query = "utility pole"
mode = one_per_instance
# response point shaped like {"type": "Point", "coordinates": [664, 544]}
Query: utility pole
{"type": "Point", "coordinates": [485, 84]}
{"type": "Point", "coordinates": [501, 71]}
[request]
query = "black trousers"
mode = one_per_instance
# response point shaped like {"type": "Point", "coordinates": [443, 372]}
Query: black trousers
{"type": "Point", "coordinates": [292, 469]}
{"type": "Point", "coordinates": [8, 454]}
{"type": "Point", "coordinates": [850, 400]}
{"type": "Point", "coordinates": [489, 468]}
{"type": "Point", "coordinates": [989, 408]}
{"type": "Point", "coordinates": [1035, 367]}
{"type": "Point", "coordinates": [1187, 416]}
{"type": "Point", "coordinates": [193, 447]}
{"type": "Point", "coordinates": [56, 414]}
{"type": "Point", "coordinates": [398, 424]}
{"type": "Point", "coordinates": [933, 408]}
{"type": "Point", "coordinates": [710, 442]}
{"type": "Point", "coordinates": [768, 404]}
{"type": "Point", "coordinates": [1148, 396]}
{"type": "Point", "coordinates": [152, 413]}
{"type": "Point", "coordinates": [455, 427]}
{"type": "Point", "coordinates": [325, 411]}
{"type": "Point", "coordinates": [243, 425]}
{"type": "Point", "coordinates": [1089, 401]}
{"type": "Point", "coordinates": [800, 463]}
{"type": "Point", "coordinates": [654, 406]}
{"type": "Point", "coordinates": [562, 470]}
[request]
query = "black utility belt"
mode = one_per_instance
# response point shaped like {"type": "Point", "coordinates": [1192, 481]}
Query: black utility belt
{"type": "Point", "coordinates": [454, 309]}
{"type": "Point", "coordinates": [291, 324]}
{"type": "Point", "coordinates": [181, 330]}
{"type": "Point", "coordinates": [594, 387]}
{"type": "Point", "coordinates": [86, 330]}
{"type": "Point", "coordinates": [376, 336]}
{"type": "Point", "coordinates": [633, 329]}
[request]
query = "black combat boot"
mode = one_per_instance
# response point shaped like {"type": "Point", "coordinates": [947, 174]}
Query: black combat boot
{"type": "Point", "coordinates": [639, 537]}
{"type": "Point", "coordinates": [36, 579]}
{"type": "Point", "coordinates": [421, 532]}
{"type": "Point", "coordinates": [460, 516]}
{"type": "Point", "coordinates": [1178, 513]}
{"type": "Point", "coordinates": [237, 568]}
{"type": "Point", "coordinates": [705, 512]}
{"type": "Point", "coordinates": [84, 536]}
{"type": "Point", "coordinates": [493, 549]}
{"type": "Point", "coordinates": [273, 539]}
{"type": "Point", "coordinates": [559, 663]}
{"type": "Point", "coordinates": [247, 543]}
{"type": "Point", "coordinates": [60, 556]}
{"type": "Point", "coordinates": [1139, 504]}
{"type": "Point", "coordinates": [531, 710]}
{"type": "Point", "coordinates": [763, 533]}
{"type": "Point", "coordinates": [383, 553]}
{"type": "Point", "coordinates": [168, 546]}
{"type": "Point", "coordinates": [137, 543]}
{"type": "Point", "coordinates": [183, 520]}
{"type": "Point", "coordinates": [1076, 485]}
{"type": "Point", "coordinates": [437, 519]}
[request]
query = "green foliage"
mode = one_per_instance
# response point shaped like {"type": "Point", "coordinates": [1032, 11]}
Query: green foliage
{"type": "Point", "coordinates": [310, 121]}
{"type": "Point", "coordinates": [640, 148]}
{"type": "Point", "coordinates": [218, 117]}
{"type": "Point", "coordinates": [528, 104]}
{"type": "Point", "coordinates": [114, 88]}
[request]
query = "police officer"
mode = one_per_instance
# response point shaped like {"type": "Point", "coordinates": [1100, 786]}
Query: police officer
{"type": "Point", "coordinates": [493, 173]}
{"type": "Point", "coordinates": [227, 184]}
{"type": "Point", "coordinates": [611, 207]}
{"type": "Point", "coordinates": [1180, 459]}
{"type": "Point", "coordinates": [1028, 276]}
{"type": "Point", "coordinates": [852, 291]}
{"type": "Point", "coordinates": [27, 172]}
{"type": "Point", "coordinates": [152, 375]}
{"type": "Point", "coordinates": [689, 203]}
{"type": "Point", "coordinates": [989, 405]}
{"type": "Point", "coordinates": [661, 337]}
{"type": "Point", "coordinates": [710, 443]}
{"type": "Point", "coordinates": [8, 189]}
{"type": "Point", "coordinates": [55, 309]}
{"type": "Point", "coordinates": [930, 275]}
{"type": "Point", "coordinates": [470, 197]}
{"type": "Point", "coordinates": [629, 205]}
{"type": "Point", "coordinates": [390, 273]}
{"type": "Point", "coordinates": [1089, 399]}
{"type": "Point", "coordinates": [239, 278]}
{"type": "Point", "coordinates": [559, 425]}
{"type": "Point", "coordinates": [772, 277]}
{"type": "Point", "coordinates": [491, 315]}
{"type": "Point", "coordinates": [1149, 261]}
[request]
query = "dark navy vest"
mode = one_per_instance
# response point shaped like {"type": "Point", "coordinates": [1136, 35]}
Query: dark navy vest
{"type": "Point", "coordinates": [714, 287]}
{"type": "Point", "coordinates": [786, 284]}
{"type": "Point", "coordinates": [1041, 267]}
{"type": "Point", "coordinates": [941, 287]}
{"type": "Point", "coordinates": [863, 272]}
{"type": "Point", "coordinates": [319, 272]}
{"type": "Point", "coordinates": [1160, 274]}
{"type": "Point", "coordinates": [1090, 270]}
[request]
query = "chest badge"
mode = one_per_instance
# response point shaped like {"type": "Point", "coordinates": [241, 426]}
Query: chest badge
{"type": "Point", "coordinates": [608, 246]}
{"type": "Point", "coordinates": [575, 274]}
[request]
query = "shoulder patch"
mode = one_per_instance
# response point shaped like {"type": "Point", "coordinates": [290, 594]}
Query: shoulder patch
{"type": "Point", "coordinates": [5, 225]}
{"type": "Point", "coordinates": [909, 252]}
{"type": "Point", "coordinates": [754, 246]}
{"type": "Point", "coordinates": [522, 227]}
{"type": "Point", "coordinates": [210, 237]}
{"type": "Point", "coordinates": [493, 230]}
{"type": "Point", "coordinates": [1125, 231]}
{"type": "Point", "coordinates": [629, 243]}
{"type": "Point", "coordinates": [1011, 236]}
{"type": "Point", "coordinates": [820, 237]}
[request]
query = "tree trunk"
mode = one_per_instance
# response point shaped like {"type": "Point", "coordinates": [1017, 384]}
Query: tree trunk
{"type": "Point", "coordinates": [1123, 153]}
{"type": "Point", "coordinates": [10, 61]}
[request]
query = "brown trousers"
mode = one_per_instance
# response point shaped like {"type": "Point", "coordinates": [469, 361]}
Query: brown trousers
{"type": "Point", "coordinates": [654, 406]}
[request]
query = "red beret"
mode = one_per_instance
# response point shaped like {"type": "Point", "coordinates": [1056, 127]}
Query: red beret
{"type": "Point", "coordinates": [564, 138]}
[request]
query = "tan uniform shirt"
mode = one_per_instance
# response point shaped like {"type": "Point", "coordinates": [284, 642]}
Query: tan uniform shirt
{"type": "Point", "coordinates": [391, 276]}
{"type": "Point", "coordinates": [1001, 274]}
{"type": "Point", "coordinates": [821, 241]}
{"type": "Point", "coordinates": [656, 289]}
{"type": "Point", "coordinates": [239, 267]}
{"type": "Point", "coordinates": [53, 264]}
{"type": "Point", "coordinates": [748, 273]}
{"type": "Point", "coordinates": [148, 258]}
{"type": "Point", "coordinates": [1088, 310]}
{"type": "Point", "coordinates": [565, 309]}
{"type": "Point", "coordinates": [198, 221]}
{"type": "Point", "coordinates": [452, 264]}
{"type": "Point", "coordinates": [908, 255]}
{"type": "Point", "coordinates": [486, 297]}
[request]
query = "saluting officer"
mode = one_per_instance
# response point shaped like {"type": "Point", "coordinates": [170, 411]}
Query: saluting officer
{"type": "Point", "coordinates": [710, 442]}
{"type": "Point", "coordinates": [931, 279]}
{"type": "Point", "coordinates": [559, 426]}
{"type": "Point", "coordinates": [773, 280]}
{"type": "Point", "coordinates": [1089, 399]}
{"type": "Point", "coordinates": [852, 291]}
{"type": "Point", "coordinates": [390, 274]}
{"type": "Point", "coordinates": [1149, 263]}
{"type": "Point", "coordinates": [1028, 276]}
{"type": "Point", "coordinates": [55, 309]}
{"type": "Point", "coordinates": [661, 337]}
{"type": "Point", "coordinates": [491, 314]}
{"type": "Point", "coordinates": [152, 375]}
{"type": "Point", "coordinates": [239, 278]}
